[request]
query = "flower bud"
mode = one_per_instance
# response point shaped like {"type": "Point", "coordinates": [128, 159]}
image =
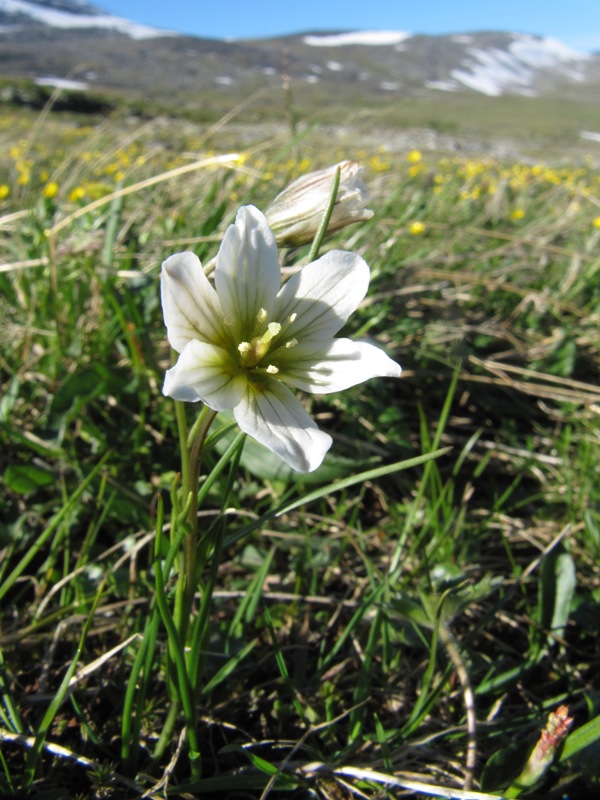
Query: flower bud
{"type": "Point", "coordinates": [543, 754]}
{"type": "Point", "coordinates": [296, 213]}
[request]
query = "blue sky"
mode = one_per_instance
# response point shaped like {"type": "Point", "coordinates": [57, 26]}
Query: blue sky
{"type": "Point", "coordinates": [575, 23]}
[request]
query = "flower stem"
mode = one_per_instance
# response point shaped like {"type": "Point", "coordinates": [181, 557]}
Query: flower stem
{"type": "Point", "coordinates": [177, 654]}
{"type": "Point", "coordinates": [184, 541]}
{"type": "Point", "coordinates": [182, 432]}
{"type": "Point", "coordinates": [166, 734]}
{"type": "Point", "coordinates": [198, 638]}
{"type": "Point", "coordinates": [320, 235]}
{"type": "Point", "coordinates": [190, 569]}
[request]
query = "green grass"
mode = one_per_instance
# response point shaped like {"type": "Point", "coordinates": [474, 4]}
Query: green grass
{"type": "Point", "coordinates": [538, 127]}
{"type": "Point", "coordinates": [414, 622]}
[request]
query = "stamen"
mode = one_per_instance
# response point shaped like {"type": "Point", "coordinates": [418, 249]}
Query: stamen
{"type": "Point", "coordinates": [272, 370]}
{"type": "Point", "coordinates": [292, 317]}
{"type": "Point", "coordinates": [252, 352]}
{"type": "Point", "coordinates": [291, 343]}
{"type": "Point", "coordinates": [262, 316]}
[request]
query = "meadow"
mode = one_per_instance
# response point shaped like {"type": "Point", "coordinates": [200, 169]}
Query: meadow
{"type": "Point", "coordinates": [404, 620]}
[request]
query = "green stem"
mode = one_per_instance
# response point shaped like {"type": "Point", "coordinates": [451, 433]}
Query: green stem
{"type": "Point", "coordinates": [197, 659]}
{"type": "Point", "coordinates": [176, 651]}
{"type": "Point", "coordinates": [193, 433]}
{"type": "Point", "coordinates": [318, 240]}
{"type": "Point", "coordinates": [166, 734]}
{"type": "Point", "coordinates": [183, 435]}
{"type": "Point", "coordinates": [196, 665]}
{"type": "Point", "coordinates": [188, 579]}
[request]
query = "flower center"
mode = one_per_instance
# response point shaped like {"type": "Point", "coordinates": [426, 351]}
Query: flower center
{"type": "Point", "coordinates": [254, 351]}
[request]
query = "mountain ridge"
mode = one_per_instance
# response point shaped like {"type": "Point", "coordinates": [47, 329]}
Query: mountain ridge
{"type": "Point", "coordinates": [60, 40]}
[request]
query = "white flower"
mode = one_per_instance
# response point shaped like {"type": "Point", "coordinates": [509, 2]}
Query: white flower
{"type": "Point", "coordinates": [296, 213]}
{"type": "Point", "coordinates": [245, 342]}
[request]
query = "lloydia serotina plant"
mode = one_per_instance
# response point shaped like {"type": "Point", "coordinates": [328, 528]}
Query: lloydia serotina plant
{"type": "Point", "coordinates": [244, 344]}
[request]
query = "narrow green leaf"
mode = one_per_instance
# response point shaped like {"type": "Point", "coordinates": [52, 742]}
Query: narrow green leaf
{"type": "Point", "coordinates": [557, 590]}
{"type": "Point", "coordinates": [57, 700]}
{"type": "Point", "coordinates": [337, 486]}
{"type": "Point", "coordinates": [26, 478]}
{"type": "Point", "coordinates": [65, 510]}
{"type": "Point", "coordinates": [581, 738]}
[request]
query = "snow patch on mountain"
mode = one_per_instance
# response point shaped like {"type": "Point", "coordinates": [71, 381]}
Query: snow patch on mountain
{"type": "Point", "coordinates": [56, 18]}
{"type": "Point", "coordinates": [442, 86]}
{"type": "Point", "coordinates": [543, 52]}
{"type": "Point", "coordinates": [62, 83]}
{"type": "Point", "coordinates": [357, 37]}
{"type": "Point", "coordinates": [492, 71]}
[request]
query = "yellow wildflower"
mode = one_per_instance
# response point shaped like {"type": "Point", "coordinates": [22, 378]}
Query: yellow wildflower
{"type": "Point", "coordinates": [5, 191]}
{"type": "Point", "coordinates": [416, 228]}
{"type": "Point", "coordinates": [414, 170]}
{"type": "Point", "coordinates": [76, 194]}
{"type": "Point", "coordinates": [50, 190]}
{"type": "Point", "coordinates": [596, 222]}
{"type": "Point", "coordinates": [517, 214]}
{"type": "Point", "coordinates": [414, 156]}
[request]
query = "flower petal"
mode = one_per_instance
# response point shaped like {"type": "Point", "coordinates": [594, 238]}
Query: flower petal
{"type": "Point", "coordinates": [272, 415]}
{"type": "Point", "coordinates": [322, 295]}
{"type": "Point", "coordinates": [190, 304]}
{"type": "Point", "coordinates": [344, 363]}
{"type": "Point", "coordinates": [247, 273]}
{"type": "Point", "coordinates": [204, 372]}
